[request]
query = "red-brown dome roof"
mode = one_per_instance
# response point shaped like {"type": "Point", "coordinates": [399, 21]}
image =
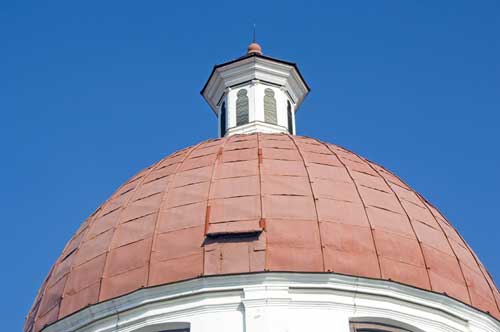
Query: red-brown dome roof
{"type": "Point", "coordinates": [296, 204]}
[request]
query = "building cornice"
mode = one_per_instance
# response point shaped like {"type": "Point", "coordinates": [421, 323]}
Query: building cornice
{"type": "Point", "coordinates": [250, 293]}
{"type": "Point", "coordinates": [254, 67]}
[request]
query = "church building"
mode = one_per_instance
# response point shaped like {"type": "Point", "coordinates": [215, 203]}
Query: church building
{"type": "Point", "coordinates": [262, 230]}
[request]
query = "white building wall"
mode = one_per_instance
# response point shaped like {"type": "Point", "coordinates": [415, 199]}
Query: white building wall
{"type": "Point", "coordinates": [277, 302]}
{"type": "Point", "coordinates": [258, 101]}
{"type": "Point", "coordinates": [281, 99]}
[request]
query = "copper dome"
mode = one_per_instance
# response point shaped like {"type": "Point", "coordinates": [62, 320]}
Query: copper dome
{"type": "Point", "coordinates": [261, 202]}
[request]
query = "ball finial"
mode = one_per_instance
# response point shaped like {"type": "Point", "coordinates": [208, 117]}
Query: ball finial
{"type": "Point", "coordinates": [254, 48]}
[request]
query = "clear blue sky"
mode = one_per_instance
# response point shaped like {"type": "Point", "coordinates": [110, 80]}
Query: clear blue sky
{"type": "Point", "coordinates": [93, 91]}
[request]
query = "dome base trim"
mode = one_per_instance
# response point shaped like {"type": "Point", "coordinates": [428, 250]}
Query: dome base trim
{"type": "Point", "coordinates": [256, 127]}
{"type": "Point", "coordinates": [276, 301]}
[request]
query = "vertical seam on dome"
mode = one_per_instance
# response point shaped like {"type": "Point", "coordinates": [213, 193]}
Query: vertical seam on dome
{"type": "Point", "coordinates": [160, 209]}
{"type": "Point", "coordinates": [259, 162]}
{"type": "Point", "coordinates": [426, 204]}
{"type": "Point", "coordinates": [406, 213]}
{"type": "Point", "coordinates": [476, 260]}
{"type": "Point", "coordinates": [123, 207]}
{"type": "Point", "coordinates": [314, 200]}
{"type": "Point", "coordinates": [362, 202]}
{"type": "Point", "coordinates": [459, 235]}
{"type": "Point", "coordinates": [91, 223]}
{"type": "Point", "coordinates": [472, 254]}
{"type": "Point", "coordinates": [449, 243]}
{"type": "Point", "coordinates": [481, 270]}
{"type": "Point", "coordinates": [207, 209]}
{"type": "Point", "coordinates": [45, 284]}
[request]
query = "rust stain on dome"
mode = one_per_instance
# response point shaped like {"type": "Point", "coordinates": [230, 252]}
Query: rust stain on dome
{"type": "Point", "coordinates": [296, 204]}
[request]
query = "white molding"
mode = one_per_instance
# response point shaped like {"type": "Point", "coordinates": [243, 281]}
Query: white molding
{"type": "Point", "coordinates": [256, 127]}
{"type": "Point", "coordinates": [288, 302]}
{"type": "Point", "coordinates": [254, 68]}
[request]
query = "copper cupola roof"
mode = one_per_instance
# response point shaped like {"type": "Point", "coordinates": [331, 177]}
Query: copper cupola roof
{"type": "Point", "coordinates": [255, 203]}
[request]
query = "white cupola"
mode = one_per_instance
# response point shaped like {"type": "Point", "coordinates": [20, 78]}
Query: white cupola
{"type": "Point", "coordinates": [255, 93]}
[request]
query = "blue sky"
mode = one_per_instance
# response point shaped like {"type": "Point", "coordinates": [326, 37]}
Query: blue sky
{"type": "Point", "coordinates": [93, 91]}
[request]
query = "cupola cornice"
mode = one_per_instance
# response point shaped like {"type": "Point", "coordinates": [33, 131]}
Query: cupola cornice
{"type": "Point", "coordinates": [271, 92]}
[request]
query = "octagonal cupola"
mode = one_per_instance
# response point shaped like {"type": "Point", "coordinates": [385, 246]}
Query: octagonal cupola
{"type": "Point", "coordinates": [255, 93]}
